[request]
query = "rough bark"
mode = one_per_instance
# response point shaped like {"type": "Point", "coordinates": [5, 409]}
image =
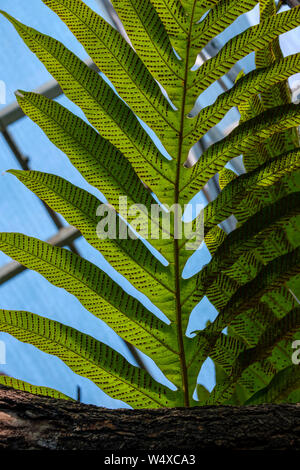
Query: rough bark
{"type": "Point", "coordinates": [29, 422]}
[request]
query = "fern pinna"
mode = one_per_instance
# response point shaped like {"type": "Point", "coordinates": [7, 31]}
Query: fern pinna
{"type": "Point", "coordinates": [253, 276]}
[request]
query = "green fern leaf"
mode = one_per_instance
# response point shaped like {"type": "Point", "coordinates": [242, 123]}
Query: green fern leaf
{"type": "Point", "coordinates": [88, 357]}
{"type": "Point", "coordinates": [252, 280]}
{"type": "Point", "coordinates": [34, 389]}
{"type": "Point", "coordinates": [144, 26]}
{"type": "Point", "coordinates": [256, 182]}
{"type": "Point", "coordinates": [99, 162]}
{"type": "Point", "coordinates": [250, 235]}
{"type": "Point", "coordinates": [253, 39]}
{"type": "Point", "coordinates": [118, 61]}
{"type": "Point", "coordinates": [279, 389]}
{"type": "Point", "coordinates": [129, 256]}
{"type": "Point", "coordinates": [96, 98]}
{"type": "Point", "coordinates": [245, 89]}
{"type": "Point", "coordinates": [277, 272]}
{"type": "Point", "coordinates": [128, 317]}
{"type": "Point", "coordinates": [242, 138]}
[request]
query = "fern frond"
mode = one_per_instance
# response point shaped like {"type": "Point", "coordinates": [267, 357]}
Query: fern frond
{"type": "Point", "coordinates": [99, 162]}
{"type": "Point", "coordinates": [242, 138]}
{"type": "Point", "coordinates": [102, 107]}
{"type": "Point", "coordinates": [254, 38]}
{"type": "Point", "coordinates": [174, 19]}
{"type": "Point", "coordinates": [279, 389]}
{"type": "Point", "coordinates": [145, 28]}
{"type": "Point", "coordinates": [221, 15]}
{"type": "Point", "coordinates": [253, 183]}
{"type": "Point", "coordinates": [214, 239]}
{"type": "Point", "coordinates": [143, 108]}
{"type": "Point", "coordinates": [225, 177]}
{"type": "Point", "coordinates": [250, 235]}
{"type": "Point", "coordinates": [88, 357]}
{"type": "Point", "coordinates": [280, 330]}
{"type": "Point", "coordinates": [34, 389]}
{"type": "Point", "coordinates": [118, 61]}
{"type": "Point", "coordinates": [272, 276]}
{"type": "Point", "coordinates": [129, 256]}
{"type": "Point", "coordinates": [97, 292]}
{"type": "Point", "coordinates": [246, 88]}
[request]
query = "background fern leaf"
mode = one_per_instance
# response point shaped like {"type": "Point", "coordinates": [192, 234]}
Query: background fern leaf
{"type": "Point", "coordinates": [279, 389]}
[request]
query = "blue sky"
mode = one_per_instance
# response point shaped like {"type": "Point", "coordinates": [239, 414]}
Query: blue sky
{"type": "Point", "coordinates": [21, 211]}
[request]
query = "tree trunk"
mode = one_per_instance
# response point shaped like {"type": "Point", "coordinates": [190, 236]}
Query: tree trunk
{"type": "Point", "coordinates": [29, 422]}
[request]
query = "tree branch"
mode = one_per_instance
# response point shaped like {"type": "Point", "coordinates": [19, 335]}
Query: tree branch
{"type": "Point", "coordinates": [31, 422]}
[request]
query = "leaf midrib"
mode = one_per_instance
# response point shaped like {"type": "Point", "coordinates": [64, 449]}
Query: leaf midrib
{"type": "Point", "coordinates": [178, 274]}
